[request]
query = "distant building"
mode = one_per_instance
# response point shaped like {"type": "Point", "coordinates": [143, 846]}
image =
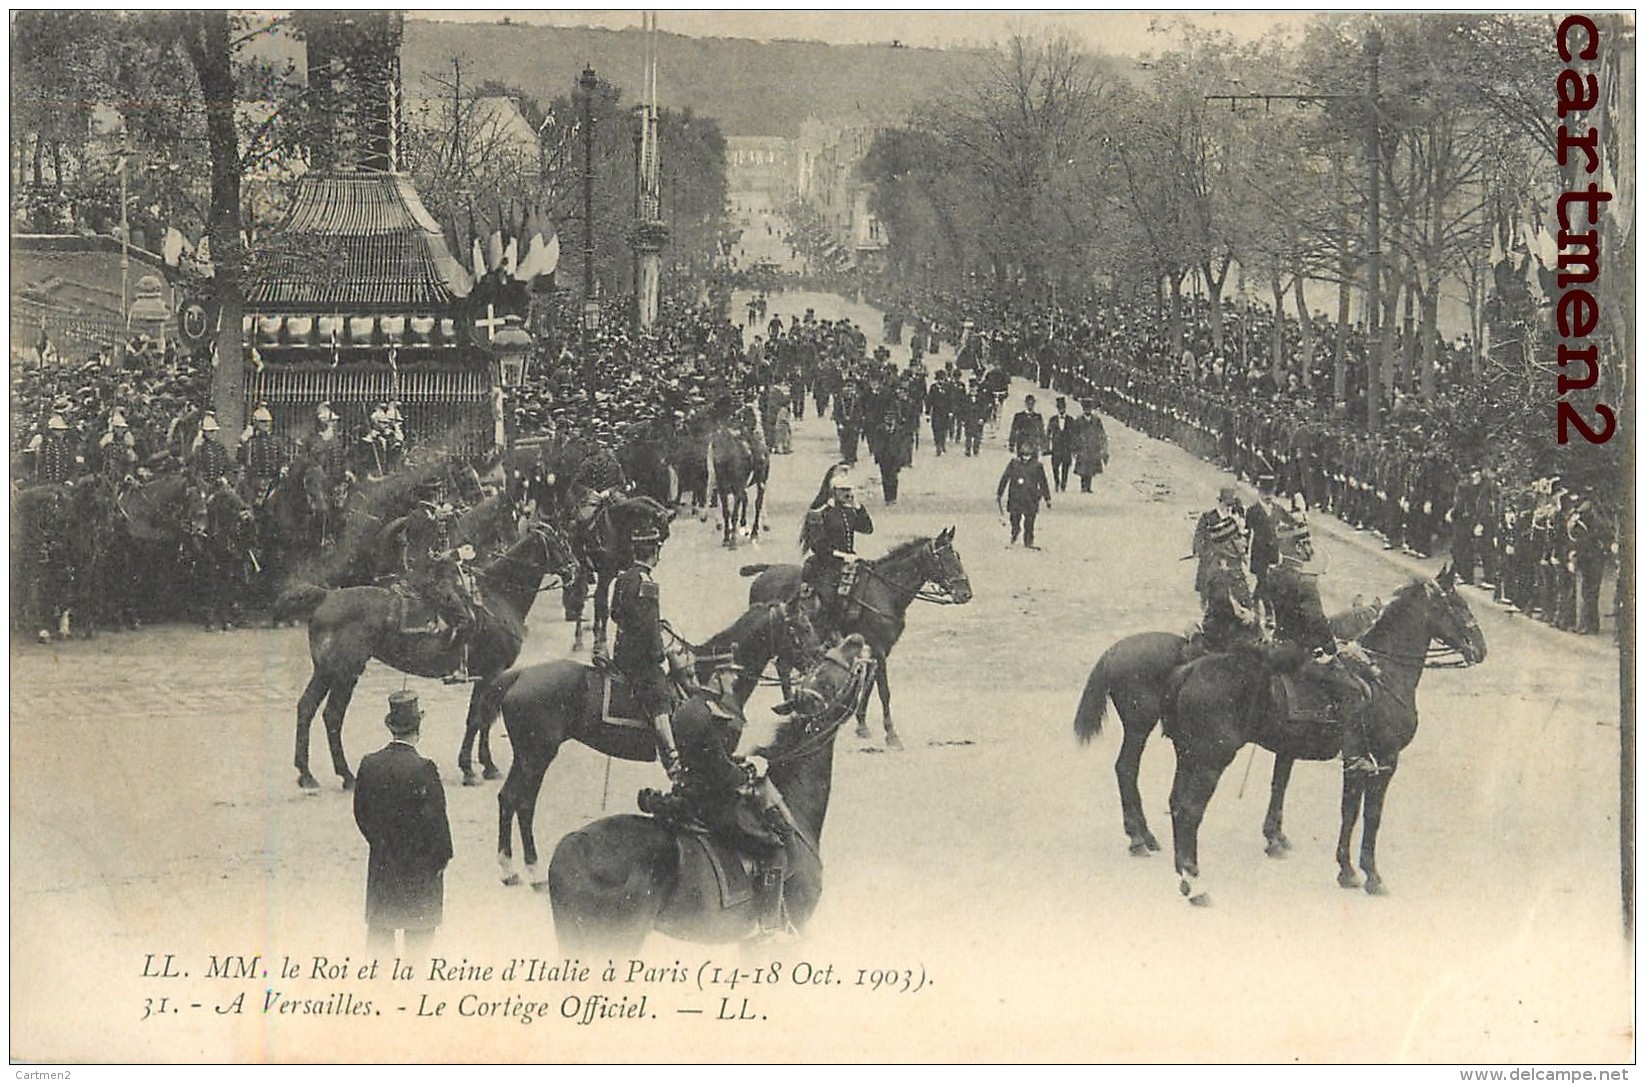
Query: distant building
{"type": "Point", "coordinates": [828, 179]}
{"type": "Point", "coordinates": [759, 169]}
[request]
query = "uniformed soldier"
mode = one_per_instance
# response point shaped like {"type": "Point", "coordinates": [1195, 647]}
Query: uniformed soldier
{"type": "Point", "coordinates": [597, 478]}
{"type": "Point", "coordinates": [118, 449]}
{"type": "Point", "coordinates": [262, 454]}
{"type": "Point", "coordinates": [435, 571]}
{"type": "Point", "coordinates": [636, 607]}
{"type": "Point", "coordinates": [830, 538]}
{"type": "Point", "coordinates": [208, 459]}
{"type": "Point", "coordinates": [1216, 530]}
{"type": "Point", "coordinates": [53, 458]}
{"type": "Point", "coordinates": [326, 447]}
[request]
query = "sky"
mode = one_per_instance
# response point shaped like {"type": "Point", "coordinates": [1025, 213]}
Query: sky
{"type": "Point", "coordinates": [1126, 33]}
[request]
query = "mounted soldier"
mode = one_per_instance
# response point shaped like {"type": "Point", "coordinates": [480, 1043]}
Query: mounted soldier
{"type": "Point", "coordinates": [437, 572]}
{"type": "Point", "coordinates": [263, 456]}
{"type": "Point", "coordinates": [53, 458]}
{"type": "Point", "coordinates": [1230, 615]}
{"type": "Point", "coordinates": [208, 459]}
{"type": "Point", "coordinates": [1217, 532]}
{"type": "Point", "coordinates": [830, 540]}
{"type": "Point", "coordinates": [326, 447]}
{"type": "Point", "coordinates": [636, 606]}
{"type": "Point", "coordinates": [597, 479]}
{"type": "Point", "coordinates": [386, 437]}
{"type": "Point", "coordinates": [118, 450]}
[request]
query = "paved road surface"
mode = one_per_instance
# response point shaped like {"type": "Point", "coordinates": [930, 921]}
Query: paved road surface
{"type": "Point", "coordinates": [154, 809]}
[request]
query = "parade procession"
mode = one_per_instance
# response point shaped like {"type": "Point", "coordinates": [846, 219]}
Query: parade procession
{"type": "Point", "coordinates": [606, 408]}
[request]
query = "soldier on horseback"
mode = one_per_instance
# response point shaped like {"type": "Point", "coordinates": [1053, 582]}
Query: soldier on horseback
{"type": "Point", "coordinates": [208, 459]}
{"type": "Point", "coordinates": [437, 573]}
{"type": "Point", "coordinates": [830, 539]}
{"type": "Point", "coordinates": [118, 450]}
{"type": "Point", "coordinates": [54, 459]}
{"type": "Point", "coordinates": [598, 478]}
{"type": "Point", "coordinates": [639, 656]}
{"type": "Point", "coordinates": [263, 456]}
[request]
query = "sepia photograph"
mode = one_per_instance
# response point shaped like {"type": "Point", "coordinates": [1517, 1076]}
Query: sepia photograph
{"type": "Point", "coordinates": [823, 537]}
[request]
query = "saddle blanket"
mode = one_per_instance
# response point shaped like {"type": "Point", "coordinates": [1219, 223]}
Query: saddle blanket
{"type": "Point", "coordinates": [706, 860]}
{"type": "Point", "coordinates": [413, 616]}
{"type": "Point", "coordinates": [618, 706]}
{"type": "Point", "coordinates": [1302, 701]}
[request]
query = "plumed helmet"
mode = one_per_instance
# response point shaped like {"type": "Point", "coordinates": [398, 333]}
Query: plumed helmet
{"type": "Point", "coordinates": [261, 414]}
{"type": "Point", "coordinates": [117, 420]}
{"type": "Point", "coordinates": [208, 424]}
{"type": "Point", "coordinates": [842, 480]}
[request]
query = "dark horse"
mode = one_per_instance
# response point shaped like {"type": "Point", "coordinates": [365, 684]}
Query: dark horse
{"type": "Point", "coordinates": [1133, 673]}
{"type": "Point", "coordinates": [349, 626]}
{"type": "Point", "coordinates": [614, 881]}
{"type": "Point", "coordinates": [608, 550]}
{"type": "Point", "coordinates": [226, 556]}
{"type": "Point", "coordinates": [1218, 703]}
{"type": "Point", "coordinates": [158, 530]}
{"type": "Point", "coordinates": [736, 466]}
{"type": "Point", "coordinates": [551, 703]}
{"type": "Point", "coordinates": [887, 586]}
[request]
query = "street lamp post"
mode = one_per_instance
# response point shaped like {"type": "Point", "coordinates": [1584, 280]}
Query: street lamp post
{"type": "Point", "coordinates": [588, 84]}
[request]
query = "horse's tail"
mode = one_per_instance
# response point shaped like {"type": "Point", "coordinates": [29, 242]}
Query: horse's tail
{"type": "Point", "coordinates": [1093, 704]}
{"type": "Point", "coordinates": [299, 601]}
{"type": "Point", "coordinates": [753, 570]}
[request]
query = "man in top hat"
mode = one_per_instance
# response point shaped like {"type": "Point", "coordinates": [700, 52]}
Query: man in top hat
{"type": "Point", "coordinates": [263, 456]}
{"type": "Point", "coordinates": [636, 607]}
{"type": "Point", "coordinates": [400, 807]}
{"type": "Point", "coordinates": [829, 538]}
{"type": "Point", "coordinates": [208, 459]}
{"type": "Point", "coordinates": [1024, 477]}
{"type": "Point", "coordinates": [1027, 429]}
{"type": "Point", "coordinates": [1061, 434]}
{"type": "Point", "coordinates": [53, 458]}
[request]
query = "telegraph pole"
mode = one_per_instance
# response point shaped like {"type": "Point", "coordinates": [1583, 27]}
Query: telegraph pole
{"type": "Point", "coordinates": [589, 83]}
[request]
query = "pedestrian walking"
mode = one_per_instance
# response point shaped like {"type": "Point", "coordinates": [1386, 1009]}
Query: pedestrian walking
{"type": "Point", "coordinates": [1024, 478]}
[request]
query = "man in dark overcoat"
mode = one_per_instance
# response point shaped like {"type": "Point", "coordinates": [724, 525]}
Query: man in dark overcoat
{"type": "Point", "coordinates": [400, 806]}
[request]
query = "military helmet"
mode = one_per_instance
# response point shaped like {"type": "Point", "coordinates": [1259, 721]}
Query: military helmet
{"type": "Point", "coordinates": [57, 424]}
{"type": "Point", "coordinates": [208, 424]}
{"type": "Point", "coordinates": [261, 414]}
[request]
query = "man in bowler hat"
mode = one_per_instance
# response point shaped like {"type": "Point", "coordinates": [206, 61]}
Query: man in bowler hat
{"type": "Point", "coordinates": [400, 806]}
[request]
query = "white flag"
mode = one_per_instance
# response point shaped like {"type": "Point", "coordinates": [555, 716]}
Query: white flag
{"type": "Point", "coordinates": [511, 257]}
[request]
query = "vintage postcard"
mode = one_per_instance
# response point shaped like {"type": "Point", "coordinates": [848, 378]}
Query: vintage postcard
{"type": "Point", "coordinates": [826, 537]}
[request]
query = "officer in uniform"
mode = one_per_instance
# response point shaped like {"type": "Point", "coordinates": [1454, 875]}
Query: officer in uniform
{"type": "Point", "coordinates": [436, 573]}
{"type": "Point", "coordinates": [830, 537]}
{"type": "Point", "coordinates": [263, 456]}
{"type": "Point", "coordinates": [53, 459]}
{"type": "Point", "coordinates": [118, 450]}
{"type": "Point", "coordinates": [1229, 612]}
{"type": "Point", "coordinates": [596, 479]}
{"type": "Point", "coordinates": [636, 607]}
{"type": "Point", "coordinates": [208, 459]}
{"type": "Point", "coordinates": [1469, 517]}
{"type": "Point", "coordinates": [1217, 528]}
{"type": "Point", "coordinates": [325, 447]}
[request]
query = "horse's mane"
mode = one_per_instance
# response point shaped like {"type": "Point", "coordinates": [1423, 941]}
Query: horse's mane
{"type": "Point", "coordinates": [902, 549]}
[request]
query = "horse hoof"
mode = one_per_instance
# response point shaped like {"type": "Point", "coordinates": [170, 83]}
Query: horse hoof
{"type": "Point", "coordinates": [1275, 849]}
{"type": "Point", "coordinates": [1200, 899]}
{"type": "Point", "coordinates": [892, 741]}
{"type": "Point", "coordinates": [348, 782]}
{"type": "Point", "coordinates": [1375, 887]}
{"type": "Point", "coordinates": [539, 886]}
{"type": "Point", "coordinates": [491, 772]}
{"type": "Point", "coordinates": [1140, 850]}
{"type": "Point", "coordinates": [470, 779]}
{"type": "Point", "coordinates": [1153, 844]}
{"type": "Point", "coordinates": [1347, 879]}
{"type": "Point", "coordinates": [308, 782]}
{"type": "Point", "coordinates": [862, 732]}
{"type": "Point", "coordinates": [512, 880]}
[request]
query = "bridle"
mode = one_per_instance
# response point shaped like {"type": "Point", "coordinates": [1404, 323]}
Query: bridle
{"type": "Point", "coordinates": [543, 531]}
{"type": "Point", "coordinates": [942, 595]}
{"type": "Point", "coordinates": [819, 725]}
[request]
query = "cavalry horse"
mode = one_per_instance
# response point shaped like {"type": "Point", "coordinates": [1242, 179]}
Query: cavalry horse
{"type": "Point", "coordinates": [158, 529]}
{"type": "Point", "coordinates": [350, 626]}
{"type": "Point", "coordinates": [886, 587]}
{"type": "Point", "coordinates": [608, 549]}
{"type": "Point", "coordinates": [548, 704]}
{"type": "Point", "coordinates": [1218, 703]}
{"type": "Point", "coordinates": [1133, 673]}
{"type": "Point", "coordinates": [616, 880]}
{"type": "Point", "coordinates": [226, 556]}
{"type": "Point", "coordinates": [43, 527]}
{"type": "Point", "coordinates": [734, 465]}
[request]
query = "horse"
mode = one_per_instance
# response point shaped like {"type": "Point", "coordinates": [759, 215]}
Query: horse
{"type": "Point", "coordinates": [1218, 703]}
{"type": "Point", "coordinates": [887, 586]}
{"type": "Point", "coordinates": [614, 881]}
{"type": "Point", "coordinates": [607, 550]}
{"type": "Point", "coordinates": [734, 465]}
{"type": "Point", "coordinates": [689, 460]}
{"type": "Point", "coordinates": [349, 626]}
{"type": "Point", "coordinates": [227, 555]}
{"type": "Point", "coordinates": [548, 704]}
{"type": "Point", "coordinates": [43, 528]}
{"type": "Point", "coordinates": [157, 530]}
{"type": "Point", "coordinates": [1133, 673]}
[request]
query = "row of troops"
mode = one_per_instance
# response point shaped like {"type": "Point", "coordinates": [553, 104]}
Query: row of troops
{"type": "Point", "coordinates": [1541, 548]}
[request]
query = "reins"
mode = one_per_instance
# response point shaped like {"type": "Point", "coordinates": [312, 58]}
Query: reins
{"type": "Point", "coordinates": [942, 596]}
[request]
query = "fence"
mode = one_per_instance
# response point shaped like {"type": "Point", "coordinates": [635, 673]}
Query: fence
{"type": "Point", "coordinates": [448, 407]}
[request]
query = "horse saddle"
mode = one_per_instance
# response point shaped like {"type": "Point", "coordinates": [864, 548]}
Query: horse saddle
{"type": "Point", "coordinates": [1307, 698]}
{"type": "Point", "coordinates": [714, 872]}
{"type": "Point", "coordinates": [618, 704]}
{"type": "Point", "coordinates": [414, 615]}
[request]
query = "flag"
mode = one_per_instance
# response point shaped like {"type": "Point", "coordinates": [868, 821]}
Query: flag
{"type": "Point", "coordinates": [550, 258]}
{"type": "Point", "coordinates": [511, 257]}
{"type": "Point", "coordinates": [494, 249]}
{"type": "Point", "coordinates": [171, 248]}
